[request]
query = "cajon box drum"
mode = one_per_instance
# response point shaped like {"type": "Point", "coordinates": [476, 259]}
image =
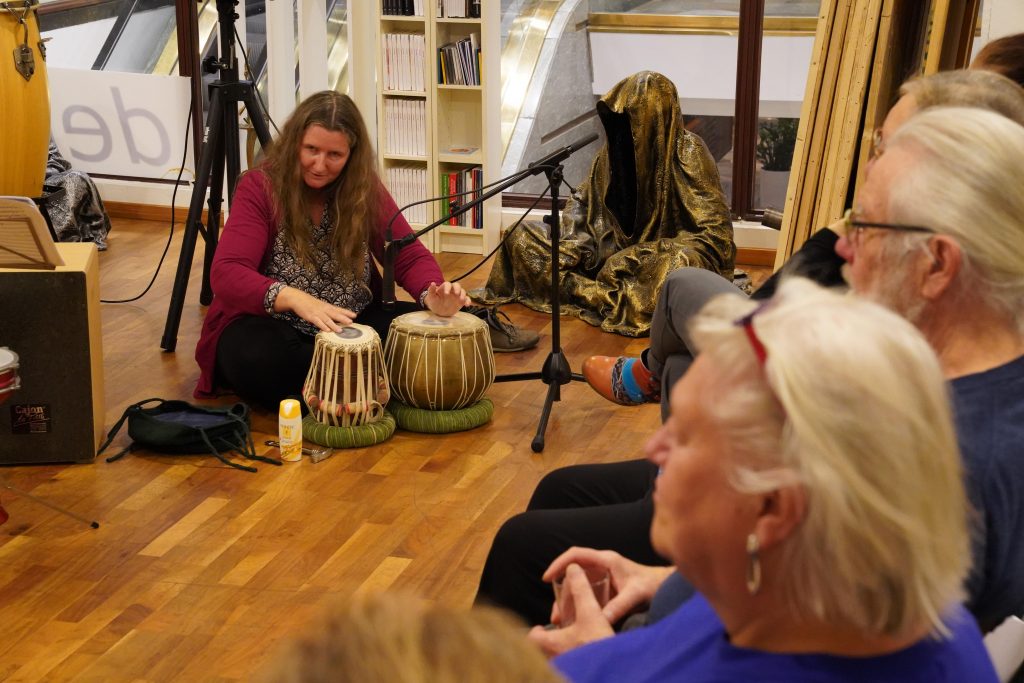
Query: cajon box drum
{"type": "Point", "coordinates": [24, 102]}
{"type": "Point", "coordinates": [51, 321]}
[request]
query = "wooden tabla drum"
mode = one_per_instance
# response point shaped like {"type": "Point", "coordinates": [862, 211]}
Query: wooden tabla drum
{"type": "Point", "coordinates": [437, 363]}
{"type": "Point", "coordinates": [347, 385]}
{"type": "Point", "coordinates": [24, 101]}
{"type": "Point", "coordinates": [9, 380]}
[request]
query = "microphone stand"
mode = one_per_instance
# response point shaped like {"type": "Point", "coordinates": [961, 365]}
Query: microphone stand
{"type": "Point", "coordinates": [556, 370]}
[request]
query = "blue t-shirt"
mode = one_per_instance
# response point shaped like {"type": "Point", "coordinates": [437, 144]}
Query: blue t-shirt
{"type": "Point", "coordinates": [690, 646]}
{"type": "Point", "coordinates": [989, 409]}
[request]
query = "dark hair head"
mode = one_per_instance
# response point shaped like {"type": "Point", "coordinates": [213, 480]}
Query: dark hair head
{"type": "Point", "coordinates": [1004, 56]}
{"type": "Point", "coordinates": [355, 189]}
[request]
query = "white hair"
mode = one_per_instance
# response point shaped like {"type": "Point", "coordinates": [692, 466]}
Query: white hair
{"type": "Point", "coordinates": [966, 181]}
{"type": "Point", "coordinates": [850, 405]}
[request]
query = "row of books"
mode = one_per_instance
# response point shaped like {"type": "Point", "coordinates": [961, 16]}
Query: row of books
{"type": "Point", "coordinates": [445, 8]}
{"type": "Point", "coordinates": [459, 8]}
{"type": "Point", "coordinates": [405, 124]}
{"type": "Point", "coordinates": [458, 63]}
{"type": "Point", "coordinates": [408, 184]}
{"type": "Point", "coordinates": [403, 61]}
{"type": "Point", "coordinates": [408, 8]}
{"type": "Point", "coordinates": [470, 180]}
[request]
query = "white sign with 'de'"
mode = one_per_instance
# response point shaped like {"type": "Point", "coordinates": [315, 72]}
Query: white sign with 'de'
{"type": "Point", "coordinates": [120, 123]}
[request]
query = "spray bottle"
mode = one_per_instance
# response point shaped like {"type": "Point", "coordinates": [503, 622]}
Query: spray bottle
{"type": "Point", "coordinates": [289, 430]}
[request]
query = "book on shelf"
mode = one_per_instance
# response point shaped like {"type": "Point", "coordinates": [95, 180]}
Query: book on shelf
{"type": "Point", "coordinates": [462, 150]}
{"type": "Point", "coordinates": [458, 9]}
{"type": "Point", "coordinates": [402, 61]}
{"type": "Point", "coordinates": [404, 126]}
{"type": "Point", "coordinates": [408, 8]}
{"type": "Point", "coordinates": [407, 184]}
{"type": "Point", "coordinates": [462, 186]}
{"type": "Point", "coordinates": [459, 62]}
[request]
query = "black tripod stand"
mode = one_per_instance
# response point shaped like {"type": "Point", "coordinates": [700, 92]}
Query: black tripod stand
{"type": "Point", "coordinates": [220, 149]}
{"type": "Point", "coordinates": [556, 370]}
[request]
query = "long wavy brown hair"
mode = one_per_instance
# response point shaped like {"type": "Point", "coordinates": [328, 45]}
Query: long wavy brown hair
{"type": "Point", "coordinates": [351, 199]}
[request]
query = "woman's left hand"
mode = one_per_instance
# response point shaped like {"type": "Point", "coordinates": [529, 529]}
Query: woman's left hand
{"type": "Point", "coordinates": [446, 298]}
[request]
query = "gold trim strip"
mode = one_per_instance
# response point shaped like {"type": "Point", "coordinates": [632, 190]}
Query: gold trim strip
{"type": "Point", "coordinates": [167, 62]}
{"type": "Point", "coordinates": [519, 59]}
{"type": "Point", "coordinates": [607, 22]}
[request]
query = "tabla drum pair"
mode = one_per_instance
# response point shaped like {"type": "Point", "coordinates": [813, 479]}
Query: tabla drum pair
{"type": "Point", "coordinates": [24, 101]}
{"type": "Point", "coordinates": [440, 368]}
{"type": "Point", "coordinates": [9, 381]}
{"type": "Point", "coordinates": [436, 369]}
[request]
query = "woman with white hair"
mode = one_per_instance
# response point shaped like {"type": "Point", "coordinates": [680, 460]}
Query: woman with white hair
{"type": "Point", "coordinates": [810, 488]}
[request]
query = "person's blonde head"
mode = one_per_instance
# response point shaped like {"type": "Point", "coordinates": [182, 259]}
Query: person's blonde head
{"type": "Point", "coordinates": [967, 88]}
{"type": "Point", "coordinates": [965, 181]}
{"type": "Point", "coordinates": [394, 638]}
{"type": "Point", "coordinates": [851, 406]}
{"type": "Point", "coordinates": [351, 199]}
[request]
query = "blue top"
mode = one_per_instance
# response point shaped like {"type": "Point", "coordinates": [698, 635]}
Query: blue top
{"type": "Point", "coordinates": [989, 409]}
{"type": "Point", "coordinates": [691, 646]}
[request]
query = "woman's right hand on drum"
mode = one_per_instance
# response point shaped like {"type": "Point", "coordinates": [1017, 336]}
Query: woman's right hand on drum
{"type": "Point", "coordinates": [327, 317]}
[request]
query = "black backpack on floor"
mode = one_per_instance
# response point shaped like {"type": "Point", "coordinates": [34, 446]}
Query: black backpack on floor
{"type": "Point", "coordinates": [178, 427]}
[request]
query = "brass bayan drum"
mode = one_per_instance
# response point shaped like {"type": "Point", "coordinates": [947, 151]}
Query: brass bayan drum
{"type": "Point", "coordinates": [24, 101]}
{"type": "Point", "coordinates": [347, 385]}
{"type": "Point", "coordinates": [437, 363]}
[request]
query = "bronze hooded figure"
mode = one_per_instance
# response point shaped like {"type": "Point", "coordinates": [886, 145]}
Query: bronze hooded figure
{"type": "Point", "coordinates": [653, 203]}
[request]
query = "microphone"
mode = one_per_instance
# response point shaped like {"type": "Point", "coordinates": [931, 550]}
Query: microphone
{"type": "Point", "coordinates": [562, 154]}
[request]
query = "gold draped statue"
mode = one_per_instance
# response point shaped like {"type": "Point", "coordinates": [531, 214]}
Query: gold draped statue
{"type": "Point", "coordinates": [653, 203]}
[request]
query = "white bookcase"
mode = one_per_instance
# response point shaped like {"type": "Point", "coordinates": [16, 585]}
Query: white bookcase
{"type": "Point", "coordinates": [455, 117]}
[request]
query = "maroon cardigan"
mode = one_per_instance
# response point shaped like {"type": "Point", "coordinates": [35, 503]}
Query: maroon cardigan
{"type": "Point", "coordinates": [244, 250]}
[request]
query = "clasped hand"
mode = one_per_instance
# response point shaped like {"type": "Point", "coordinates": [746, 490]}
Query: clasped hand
{"type": "Point", "coordinates": [632, 587]}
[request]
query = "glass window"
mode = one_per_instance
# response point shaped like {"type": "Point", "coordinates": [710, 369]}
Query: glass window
{"type": "Point", "coordinates": [679, 38]}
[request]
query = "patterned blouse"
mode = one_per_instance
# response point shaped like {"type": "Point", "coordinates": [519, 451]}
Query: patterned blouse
{"type": "Point", "coordinates": [325, 278]}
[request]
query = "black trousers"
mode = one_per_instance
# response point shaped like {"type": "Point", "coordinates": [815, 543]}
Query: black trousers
{"type": "Point", "coordinates": [265, 360]}
{"type": "Point", "coordinates": [607, 507]}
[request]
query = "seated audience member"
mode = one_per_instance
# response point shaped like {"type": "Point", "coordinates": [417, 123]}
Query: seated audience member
{"type": "Point", "coordinates": [1004, 56]}
{"type": "Point", "coordinates": [653, 203]}
{"type": "Point", "coordinates": [608, 506]}
{"type": "Point", "coordinates": [389, 638]}
{"type": "Point", "coordinates": [297, 257]}
{"type": "Point", "coordinates": [949, 257]}
{"type": "Point", "coordinates": [811, 490]}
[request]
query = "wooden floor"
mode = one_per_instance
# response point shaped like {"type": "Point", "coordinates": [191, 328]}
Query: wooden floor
{"type": "Point", "coordinates": [198, 570]}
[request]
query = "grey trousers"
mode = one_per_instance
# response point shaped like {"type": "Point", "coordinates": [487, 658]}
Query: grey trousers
{"type": "Point", "coordinates": [682, 296]}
